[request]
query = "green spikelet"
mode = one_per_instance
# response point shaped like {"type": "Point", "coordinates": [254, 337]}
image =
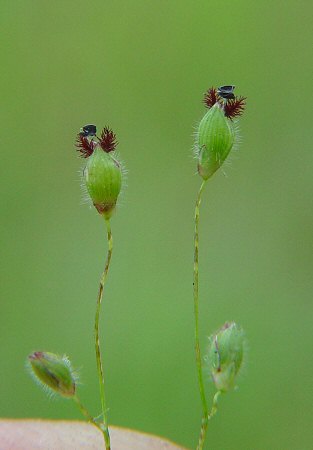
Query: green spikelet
{"type": "Point", "coordinates": [225, 355]}
{"type": "Point", "coordinates": [53, 372]}
{"type": "Point", "coordinates": [103, 178]}
{"type": "Point", "coordinates": [215, 139]}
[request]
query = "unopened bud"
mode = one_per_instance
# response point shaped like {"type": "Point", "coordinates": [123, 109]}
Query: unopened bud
{"type": "Point", "coordinates": [225, 355]}
{"type": "Point", "coordinates": [53, 372]}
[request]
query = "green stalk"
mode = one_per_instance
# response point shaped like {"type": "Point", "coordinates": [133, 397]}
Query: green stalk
{"type": "Point", "coordinates": [97, 341]}
{"type": "Point", "coordinates": [86, 413]}
{"type": "Point", "coordinates": [204, 423]}
{"type": "Point", "coordinates": [214, 405]}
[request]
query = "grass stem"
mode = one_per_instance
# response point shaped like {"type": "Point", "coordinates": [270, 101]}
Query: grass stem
{"type": "Point", "coordinates": [204, 423]}
{"type": "Point", "coordinates": [97, 341]}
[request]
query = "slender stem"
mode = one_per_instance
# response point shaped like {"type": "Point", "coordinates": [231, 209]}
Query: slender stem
{"type": "Point", "coordinates": [85, 412]}
{"type": "Point", "coordinates": [204, 427]}
{"type": "Point", "coordinates": [214, 405]}
{"type": "Point", "coordinates": [97, 341]}
{"type": "Point", "coordinates": [204, 423]}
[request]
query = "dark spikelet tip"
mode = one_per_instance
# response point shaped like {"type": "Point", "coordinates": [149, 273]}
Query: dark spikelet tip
{"type": "Point", "coordinates": [108, 140]}
{"type": "Point", "coordinates": [35, 355]}
{"type": "Point", "coordinates": [211, 97]}
{"type": "Point", "coordinates": [235, 107]}
{"type": "Point", "coordinates": [84, 146]}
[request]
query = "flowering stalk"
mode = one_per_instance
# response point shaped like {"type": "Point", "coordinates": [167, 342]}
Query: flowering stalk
{"type": "Point", "coordinates": [215, 137]}
{"type": "Point", "coordinates": [103, 180]}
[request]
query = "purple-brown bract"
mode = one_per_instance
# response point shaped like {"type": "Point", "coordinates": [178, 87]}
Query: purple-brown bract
{"type": "Point", "coordinates": [235, 107]}
{"type": "Point", "coordinates": [108, 140]}
{"type": "Point", "coordinates": [232, 107]}
{"type": "Point", "coordinates": [86, 146]}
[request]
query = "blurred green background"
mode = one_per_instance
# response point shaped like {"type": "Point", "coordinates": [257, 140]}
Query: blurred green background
{"type": "Point", "coordinates": [142, 68]}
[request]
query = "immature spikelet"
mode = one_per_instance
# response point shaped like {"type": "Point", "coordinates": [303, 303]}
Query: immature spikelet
{"type": "Point", "coordinates": [103, 173]}
{"type": "Point", "coordinates": [216, 133]}
{"type": "Point", "coordinates": [53, 372]}
{"type": "Point", "coordinates": [225, 355]}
